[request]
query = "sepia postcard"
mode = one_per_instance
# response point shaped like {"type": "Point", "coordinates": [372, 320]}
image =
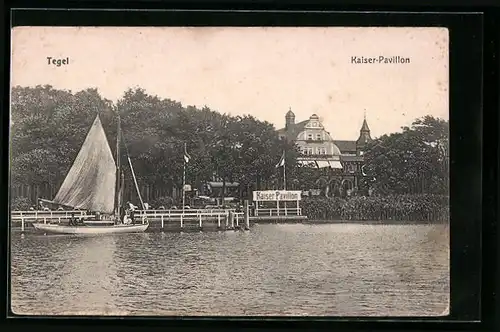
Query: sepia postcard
{"type": "Point", "coordinates": [229, 171]}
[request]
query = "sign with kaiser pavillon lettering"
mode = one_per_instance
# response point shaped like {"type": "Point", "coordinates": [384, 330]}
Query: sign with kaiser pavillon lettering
{"type": "Point", "coordinates": [276, 195]}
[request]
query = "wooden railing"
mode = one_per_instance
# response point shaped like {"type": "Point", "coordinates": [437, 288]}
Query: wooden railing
{"type": "Point", "coordinates": [278, 212]}
{"type": "Point", "coordinates": [48, 215]}
{"type": "Point", "coordinates": [228, 216]}
{"type": "Point", "coordinates": [179, 212]}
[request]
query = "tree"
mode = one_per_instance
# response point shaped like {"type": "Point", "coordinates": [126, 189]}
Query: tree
{"type": "Point", "coordinates": [47, 130]}
{"type": "Point", "coordinates": [411, 161]}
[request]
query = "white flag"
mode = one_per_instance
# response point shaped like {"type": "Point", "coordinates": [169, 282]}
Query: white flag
{"type": "Point", "coordinates": [363, 170]}
{"type": "Point", "coordinates": [186, 156]}
{"type": "Point", "coordinates": [282, 161]}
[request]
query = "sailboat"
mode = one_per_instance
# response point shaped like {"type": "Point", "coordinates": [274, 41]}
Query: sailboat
{"type": "Point", "coordinates": [95, 183]}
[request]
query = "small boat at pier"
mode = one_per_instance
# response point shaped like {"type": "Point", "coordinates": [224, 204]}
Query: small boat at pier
{"type": "Point", "coordinates": [90, 229]}
{"type": "Point", "coordinates": [95, 183]}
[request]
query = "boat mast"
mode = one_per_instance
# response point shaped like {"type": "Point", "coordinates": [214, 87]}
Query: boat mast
{"type": "Point", "coordinates": [118, 167]}
{"type": "Point", "coordinates": [133, 174]}
{"type": "Point", "coordinates": [184, 180]}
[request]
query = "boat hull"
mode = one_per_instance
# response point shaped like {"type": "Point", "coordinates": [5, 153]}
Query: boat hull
{"type": "Point", "coordinates": [86, 229]}
{"type": "Point", "coordinates": [98, 222]}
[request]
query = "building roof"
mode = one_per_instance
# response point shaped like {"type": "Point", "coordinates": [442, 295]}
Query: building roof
{"type": "Point", "coordinates": [294, 130]}
{"type": "Point", "coordinates": [346, 145]}
{"type": "Point", "coordinates": [214, 184]}
{"type": "Point", "coordinates": [365, 127]}
{"type": "Point", "coordinates": [352, 158]}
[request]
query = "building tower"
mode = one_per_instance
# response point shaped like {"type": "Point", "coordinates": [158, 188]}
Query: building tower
{"type": "Point", "coordinates": [364, 137]}
{"type": "Point", "coordinates": [289, 119]}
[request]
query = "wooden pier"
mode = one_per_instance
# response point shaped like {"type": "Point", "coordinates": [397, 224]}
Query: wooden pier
{"type": "Point", "coordinates": [202, 219]}
{"type": "Point", "coordinates": [27, 217]}
{"type": "Point", "coordinates": [176, 220]}
{"type": "Point", "coordinates": [287, 206]}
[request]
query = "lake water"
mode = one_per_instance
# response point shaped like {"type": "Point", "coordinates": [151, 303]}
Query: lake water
{"type": "Point", "coordinates": [317, 270]}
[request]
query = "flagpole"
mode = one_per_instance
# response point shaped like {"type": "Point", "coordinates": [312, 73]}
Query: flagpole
{"type": "Point", "coordinates": [284, 171]}
{"type": "Point", "coordinates": [184, 180]}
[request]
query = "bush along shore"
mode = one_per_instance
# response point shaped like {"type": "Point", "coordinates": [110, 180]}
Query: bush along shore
{"type": "Point", "coordinates": [424, 208]}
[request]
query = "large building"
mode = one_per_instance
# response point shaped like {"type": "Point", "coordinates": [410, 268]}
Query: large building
{"type": "Point", "coordinates": [319, 149]}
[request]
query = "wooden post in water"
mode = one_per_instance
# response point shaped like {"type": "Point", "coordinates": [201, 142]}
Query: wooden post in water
{"type": "Point", "coordinates": [218, 220]}
{"type": "Point", "coordinates": [200, 220]}
{"type": "Point", "coordinates": [162, 223]}
{"type": "Point", "coordinates": [247, 215]}
{"type": "Point", "coordinates": [181, 221]}
{"type": "Point", "coordinates": [231, 216]}
{"type": "Point", "coordinates": [22, 224]}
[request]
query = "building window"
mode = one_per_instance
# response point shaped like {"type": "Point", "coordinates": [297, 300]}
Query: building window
{"type": "Point", "coordinates": [310, 137]}
{"type": "Point", "coordinates": [311, 151]}
{"type": "Point", "coordinates": [318, 137]}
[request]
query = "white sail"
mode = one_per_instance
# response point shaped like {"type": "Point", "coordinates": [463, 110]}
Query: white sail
{"type": "Point", "coordinates": [91, 182]}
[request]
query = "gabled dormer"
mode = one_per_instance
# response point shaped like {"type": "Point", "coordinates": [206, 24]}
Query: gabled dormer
{"type": "Point", "coordinates": [314, 123]}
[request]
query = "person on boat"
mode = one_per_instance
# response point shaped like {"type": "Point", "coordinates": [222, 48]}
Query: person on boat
{"type": "Point", "coordinates": [72, 220]}
{"type": "Point", "coordinates": [132, 212]}
{"type": "Point", "coordinates": [126, 220]}
{"type": "Point", "coordinates": [132, 216]}
{"type": "Point", "coordinates": [121, 217]}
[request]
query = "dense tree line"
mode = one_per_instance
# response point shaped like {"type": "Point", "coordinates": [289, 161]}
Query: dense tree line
{"type": "Point", "coordinates": [48, 127]}
{"type": "Point", "coordinates": [413, 161]}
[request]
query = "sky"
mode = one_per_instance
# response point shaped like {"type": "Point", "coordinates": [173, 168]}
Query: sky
{"type": "Point", "coordinates": [262, 71]}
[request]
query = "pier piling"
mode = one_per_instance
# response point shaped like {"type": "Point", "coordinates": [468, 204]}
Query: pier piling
{"type": "Point", "coordinates": [247, 215]}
